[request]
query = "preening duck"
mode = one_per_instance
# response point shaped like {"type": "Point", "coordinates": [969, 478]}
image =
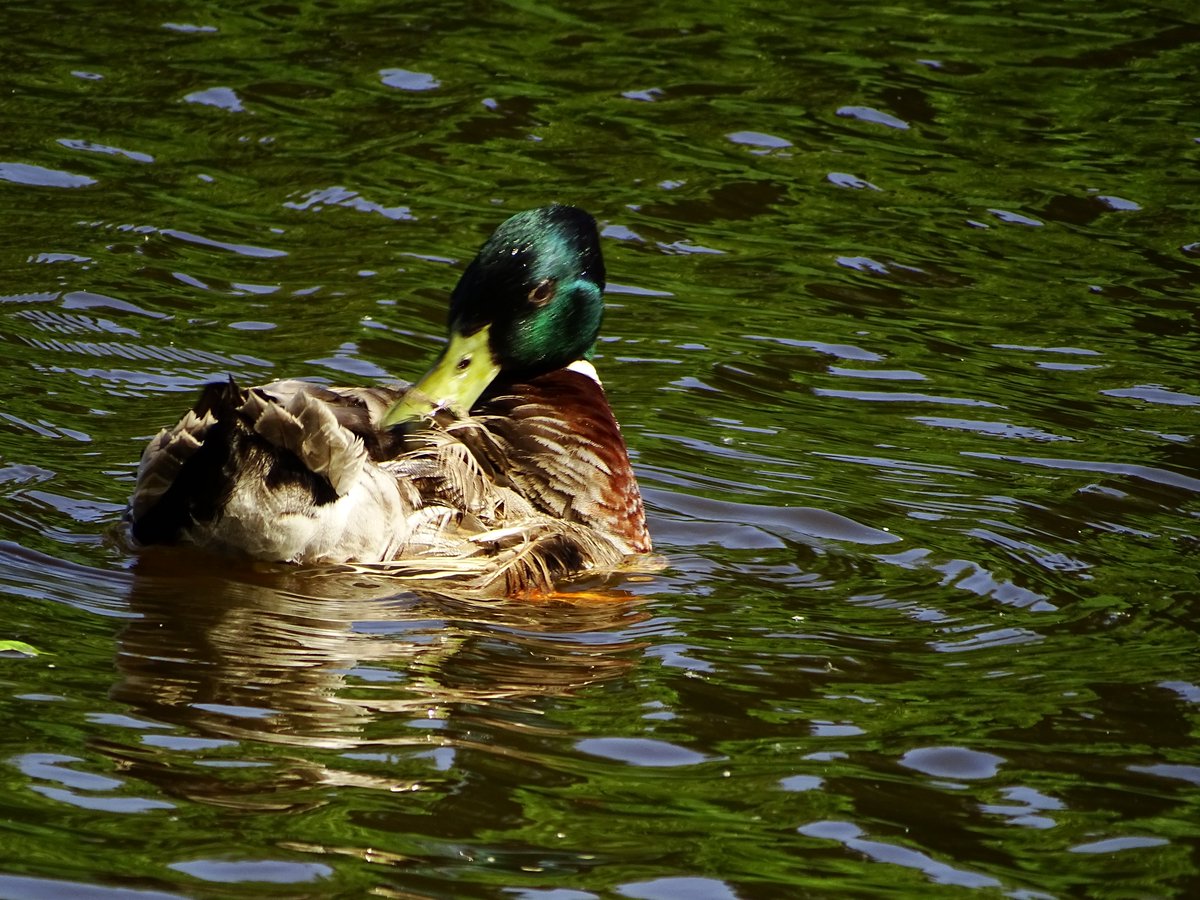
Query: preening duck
{"type": "Point", "coordinates": [501, 471]}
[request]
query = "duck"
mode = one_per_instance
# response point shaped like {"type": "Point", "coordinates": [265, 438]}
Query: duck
{"type": "Point", "coordinates": [501, 471]}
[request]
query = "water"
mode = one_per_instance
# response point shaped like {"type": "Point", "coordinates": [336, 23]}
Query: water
{"type": "Point", "coordinates": [903, 335]}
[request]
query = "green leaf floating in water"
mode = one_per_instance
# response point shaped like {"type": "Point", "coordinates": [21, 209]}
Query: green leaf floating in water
{"type": "Point", "coordinates": [18, 647]}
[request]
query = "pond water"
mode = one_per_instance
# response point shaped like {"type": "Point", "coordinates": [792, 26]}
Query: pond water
{"type": "Point", "coordinates": [903, 335]}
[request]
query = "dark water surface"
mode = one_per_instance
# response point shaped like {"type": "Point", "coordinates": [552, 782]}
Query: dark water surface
{"type": "Point", "coordinates": [904, 334]}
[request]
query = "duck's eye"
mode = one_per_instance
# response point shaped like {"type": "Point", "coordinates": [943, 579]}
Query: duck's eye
{"type": "Point", "coordinates": [543, 292]}
{"type": "Point", "coordinates": [464, 363]}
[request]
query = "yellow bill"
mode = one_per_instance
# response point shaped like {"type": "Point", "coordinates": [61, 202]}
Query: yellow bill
{"type": "Point", "coordinates": [460, 375]}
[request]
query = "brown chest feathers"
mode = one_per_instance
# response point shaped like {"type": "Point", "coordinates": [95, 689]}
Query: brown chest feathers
{"type": "Point", "coordinates": [561, 447]}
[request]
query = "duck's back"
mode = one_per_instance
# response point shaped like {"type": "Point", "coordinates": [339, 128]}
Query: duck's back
{"type": "Point", "coordinates": [278, 472]}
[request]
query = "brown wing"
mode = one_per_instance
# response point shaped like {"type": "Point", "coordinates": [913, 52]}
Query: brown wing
{"type": "Point", "coordinates": [358, 410]}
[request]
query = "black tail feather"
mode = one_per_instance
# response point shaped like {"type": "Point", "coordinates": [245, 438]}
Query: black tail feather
{"type": "Point", "coordinates": [202, 486]}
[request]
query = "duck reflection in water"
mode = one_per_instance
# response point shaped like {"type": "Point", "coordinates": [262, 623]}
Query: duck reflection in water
{"type": "Point", "coordinates": [365, 686]}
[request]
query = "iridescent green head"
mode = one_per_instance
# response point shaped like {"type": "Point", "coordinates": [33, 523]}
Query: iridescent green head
{"type": "Point", "coordinates": [536, 285]}
{"type": "Point", "coordinates": [530, 302]}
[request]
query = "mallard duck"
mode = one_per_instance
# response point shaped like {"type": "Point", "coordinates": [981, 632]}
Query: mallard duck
{"type": "Point", "coordinates": [502, 470]}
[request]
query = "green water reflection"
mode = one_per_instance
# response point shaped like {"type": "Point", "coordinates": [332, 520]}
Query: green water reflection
{"type": "Point", "coordinates": [903, 336]}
